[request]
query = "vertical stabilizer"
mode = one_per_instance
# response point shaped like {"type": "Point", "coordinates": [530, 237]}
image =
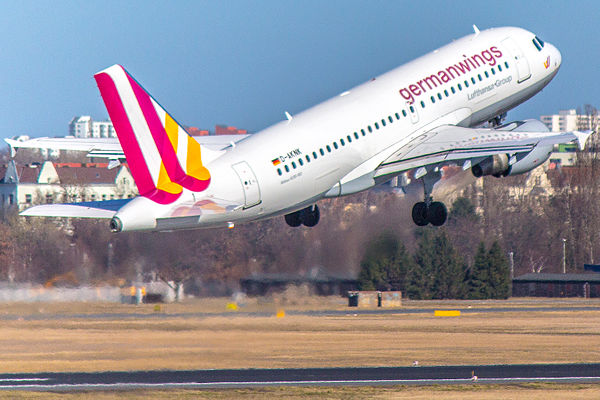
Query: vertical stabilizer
{"type": "Point", "coordinates": [162, 157]}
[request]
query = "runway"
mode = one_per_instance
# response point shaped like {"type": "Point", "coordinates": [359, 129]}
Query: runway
{"type": "Point", "coordinates": [246, 378]}
{"type": "Point", "coordinates": [310, 313]}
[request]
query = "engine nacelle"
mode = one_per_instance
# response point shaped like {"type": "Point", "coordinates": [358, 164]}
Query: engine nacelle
{"type": "Point", "coordinates": [496, 165]}
{"type": "Point", "coordinates": [531, 160]}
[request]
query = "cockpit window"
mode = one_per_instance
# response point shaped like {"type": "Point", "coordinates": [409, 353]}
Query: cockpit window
{"type": "Point", "coordinates": [538, 43]}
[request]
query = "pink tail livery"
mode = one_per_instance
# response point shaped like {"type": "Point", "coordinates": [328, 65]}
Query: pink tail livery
{"type": "Point", "coordinates": [162, 157]}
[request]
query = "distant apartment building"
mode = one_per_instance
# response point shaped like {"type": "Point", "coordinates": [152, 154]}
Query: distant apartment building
{"type": "Point", "coordinates": [85, 127]}
{"type": "Point", "coordinates": [24, 185]}
{"type": "Point", "coordinates": [570, 120]}
{"type": "Point", "coordinates": [229, 130]}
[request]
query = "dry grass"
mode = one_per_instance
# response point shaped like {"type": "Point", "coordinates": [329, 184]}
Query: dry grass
{"type": "Point", "coordinates": [63, 343]}
{"type": "Point", "coordinates": [466, 392]}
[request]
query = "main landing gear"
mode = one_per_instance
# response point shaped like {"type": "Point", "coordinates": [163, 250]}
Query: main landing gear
{"type": "Point", "coordinates": [429, 211]}
{"type": "Point", "coordinates": [308, 216]}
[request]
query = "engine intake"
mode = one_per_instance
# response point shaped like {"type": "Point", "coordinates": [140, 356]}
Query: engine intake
{"type": "Point", "coordinates": [496, 165]}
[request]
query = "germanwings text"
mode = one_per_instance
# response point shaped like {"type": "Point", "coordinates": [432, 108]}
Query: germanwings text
{"type": "Point", "coordinates": [486, 57]}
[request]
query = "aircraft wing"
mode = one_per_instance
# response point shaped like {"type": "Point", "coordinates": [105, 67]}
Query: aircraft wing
{"type": "Point", "coordinates": [448, 143]}
{"type": "Point", "coordinates": [110, 147]}
{"type": "Point", "coordinates": [87, 209]}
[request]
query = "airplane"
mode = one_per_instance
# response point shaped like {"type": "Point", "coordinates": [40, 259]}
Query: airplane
{"type": "Point", "coordinates": [421, 116]}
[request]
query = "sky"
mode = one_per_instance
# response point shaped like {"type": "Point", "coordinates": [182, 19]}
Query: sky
{"type": "Point", "coordinates": [245, 63]}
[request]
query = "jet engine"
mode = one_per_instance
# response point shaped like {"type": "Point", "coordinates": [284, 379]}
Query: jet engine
{"type": "Point", "coordinates": [496, 165]}
{"type": "Point", "coordinates": [531, 160]}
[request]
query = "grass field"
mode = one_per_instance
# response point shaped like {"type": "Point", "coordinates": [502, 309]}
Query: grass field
{"type": "Point", "coordinates": [99, 337]}
{"type": "Point", "coordinates": [461, 392]}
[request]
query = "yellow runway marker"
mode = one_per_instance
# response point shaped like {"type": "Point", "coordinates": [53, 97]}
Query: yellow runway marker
{"type": "Point", "coordinates": [446, 313]}
{"type": "Point", "coordinates": [280, 314]}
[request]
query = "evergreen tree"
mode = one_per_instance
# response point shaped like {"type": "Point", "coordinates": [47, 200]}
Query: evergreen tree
{"type": "Point", "coordinates": [477, 284]}
{"type": "Point", "coordinates": [462, 208]}
{"type": "Point", "coordinates": [448, 269]}
{"type": "Point", "coordinates": [385, 264]}
{"type": "Point", "coordinates": [420, 279]}
{"type": "Point", "coordinates": [498, 273]}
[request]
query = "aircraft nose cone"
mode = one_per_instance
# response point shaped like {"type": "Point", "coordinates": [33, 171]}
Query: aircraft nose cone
{"type": "Point", "coordinates": [556, 58]}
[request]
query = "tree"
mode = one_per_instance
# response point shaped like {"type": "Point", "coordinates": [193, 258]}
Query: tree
{"type": "Point", "coordinates": [385, 264]}
{"type": "Point", "coordinates": [477, 281]}
{"type": "Point", "coordinates": [448, 268]}
{"type": "Point", "coordinates": [498, 273]}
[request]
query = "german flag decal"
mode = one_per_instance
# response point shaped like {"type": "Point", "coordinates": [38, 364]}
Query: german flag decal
{"type": "Point", "coordinates": [276, 161]}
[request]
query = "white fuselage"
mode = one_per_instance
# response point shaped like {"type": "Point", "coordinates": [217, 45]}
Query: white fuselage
{"type": "Point", "coordinates": [464, 83]}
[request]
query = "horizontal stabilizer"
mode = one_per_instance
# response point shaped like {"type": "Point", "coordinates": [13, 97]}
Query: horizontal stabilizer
{"type": "Point", "coordinates": [88, 209]}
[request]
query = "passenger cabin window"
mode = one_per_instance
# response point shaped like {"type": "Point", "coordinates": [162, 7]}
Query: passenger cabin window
{"type": "Point", "coordinates": [452, 88]}
{"type": "Point", "coordinates": [459, 87]}
{"type": "Point", "coordinates": [383, 121]}
{"type": "Point", "coordinates": [363, 132]}
{"type": "Point", "coordinates": [422, 104]}
{"type": "Point", "coordinates": [279, 171]}
{"type": "Point", "coordinates": [315, 155]}
{"type": "Point", "coordinates": [376, 125]}
{"type": "Point", "coordinates": [287, 169]}
{"type": "Point", "coordinates": [446, 92]}
{"type": "Point", "coordinates": [499, 68]}
{"type": "Point", "coordinates": [322, 152]}
{"type": "Point", "coordinates": [412, 109]}
{"type": "Point", "coordinates": [389, 119]}
{"type": "Point", "coordinates": [356, 135]}
{"type": "Point", "coordinates": [342, 142]}
{"type": "Point", "coordinates": [349, 139]}
{"type": "Point", "coordinates": [370, 129]}
{"type": "Point", "coordinates": [328, 149]}
{"type": "Point", "coordinates": [335, 145]}
{"type": "Point", "coordinates": [307, 158]}
{"type": "Point", "coordinates": [404, 112]}
{"type": "Point", "coordinates": [300, 162]}
{"type": "Point", "coordinates": [397, 116]}
{"type": "Point", "coordinates": [433, 99]}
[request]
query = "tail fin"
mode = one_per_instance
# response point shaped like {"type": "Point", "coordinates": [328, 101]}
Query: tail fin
{"type": "Point", "coordinates": [162, 157]}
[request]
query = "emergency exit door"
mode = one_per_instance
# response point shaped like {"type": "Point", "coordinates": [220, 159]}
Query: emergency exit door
{"type": "Point", "coordinates": [249, 184]}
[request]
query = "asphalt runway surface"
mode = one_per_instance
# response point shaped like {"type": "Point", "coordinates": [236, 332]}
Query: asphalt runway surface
{"type": "Point", "coordinates": [247, 378]}
{"type": "Point", "coordinates": [312, 313]}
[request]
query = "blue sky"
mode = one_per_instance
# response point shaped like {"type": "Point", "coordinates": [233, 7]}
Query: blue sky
{"type": "Point", "coordinates": [245, 63]}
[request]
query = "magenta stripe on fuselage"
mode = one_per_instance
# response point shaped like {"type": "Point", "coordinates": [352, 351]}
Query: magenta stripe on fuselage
{"type": "Point", "coordinates": [164, 145]}
{"type": "Point", "coordinates": [131, 148]}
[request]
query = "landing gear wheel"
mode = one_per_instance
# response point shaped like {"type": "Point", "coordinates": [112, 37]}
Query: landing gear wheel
{"type": "Point", "coordinates": [419, 214]}
{"type": "Point", "coordinates": [437, 213]}
{"type": "Point", "coordinates": [294, 219]}
{"type": "Point", "coordinates": [310, 216]}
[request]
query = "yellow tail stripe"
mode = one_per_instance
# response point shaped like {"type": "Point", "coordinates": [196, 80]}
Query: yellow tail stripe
{"type": "Point", "coordinates": [165, 183]}
{"type": "Point", "coordinates": [172, 130]}
{"type": "Point", "coordinates": [193, 161]}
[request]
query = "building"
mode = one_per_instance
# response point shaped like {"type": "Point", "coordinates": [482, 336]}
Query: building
{"type": "Point", "coordinates": [85, 127]}
{"type": "Point", "coordinates": [569, 120]}
{"type": "Point", "coordinates": [321, 284]}
{"type": "Point", "coordinates": [49, 182]}
{"type": "Point", "coordinates": [229, 130]}
{"type": "Point", "coordinates": [557, 285]}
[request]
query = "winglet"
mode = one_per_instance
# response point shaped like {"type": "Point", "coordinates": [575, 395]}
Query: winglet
{"type": "Point", "coordinates": [475, 29]}
{"type": "Point", "coordinates": [582, 137]}
{"type": "Point", "coordinates": [12, 147]}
